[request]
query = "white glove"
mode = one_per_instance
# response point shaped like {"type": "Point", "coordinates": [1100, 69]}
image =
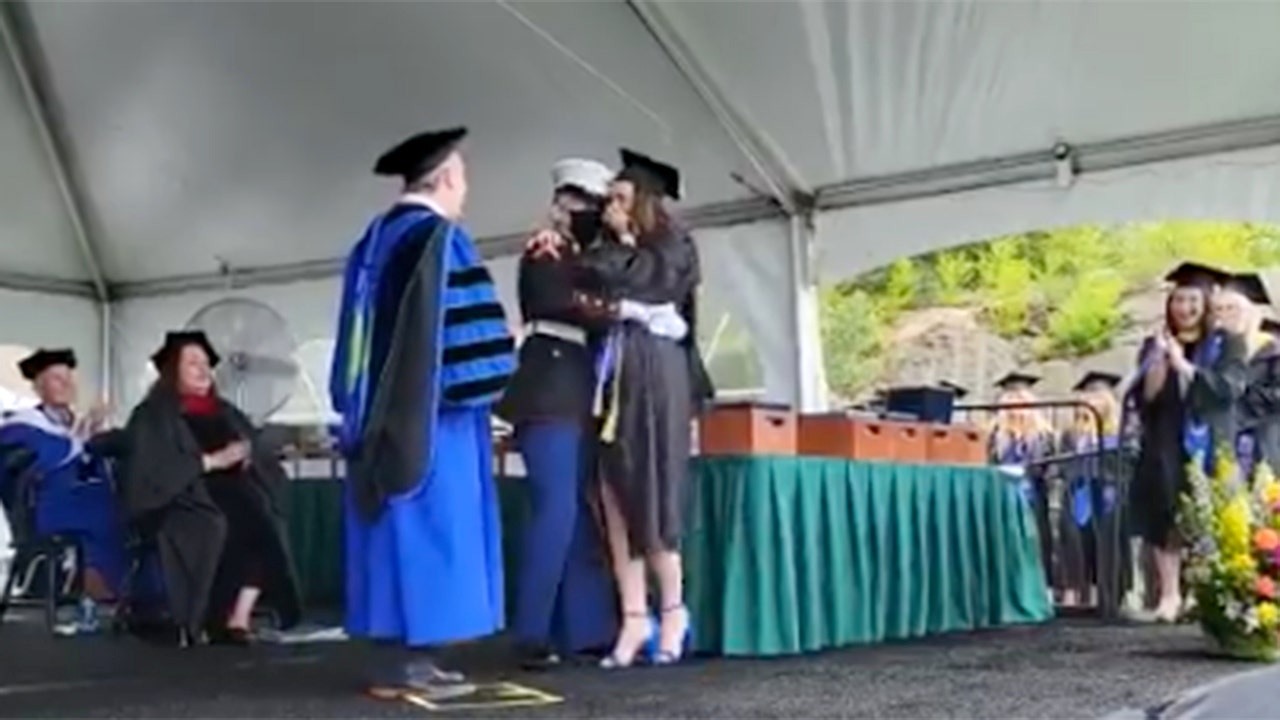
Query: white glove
{"type": "Point", "coordinates": [632, 310]}
{"type": "Point", "coordinates": [665, 322]}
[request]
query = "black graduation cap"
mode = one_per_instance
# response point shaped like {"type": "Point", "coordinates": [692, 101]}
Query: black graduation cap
{"type": "Point", "coordinates": [1249, 285]}
{"type": "Point", "coordinates": [1190, 274]}
{"type": "Point", "coordinates": [656, 176]}
{"type": "Point", "coordinates": [956, 389]}
{"type": "Point", "coordinates": [1095, 377]}
{"type": "Point", "coordinates": [419, 155]}
{"type": "Point", "coordinates": [41, 360]}
{"type": "Point", "coordinates": [1017, 378]}
{"type": "Point", "coordinates": [175, 341]}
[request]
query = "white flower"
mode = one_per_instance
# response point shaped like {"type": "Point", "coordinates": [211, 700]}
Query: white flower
{"type": "Point", "coordinates": [1251, 620]}
{"type": "Point", "coordinates": [1234, 610]}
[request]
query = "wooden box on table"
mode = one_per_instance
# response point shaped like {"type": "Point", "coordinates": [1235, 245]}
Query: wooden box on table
{"type": "Point", "coordinates": [859, 437]}
{"type": "Point", "coordinates": [956, 445]}
{"type": "Point", "coordinates": [747, 429]}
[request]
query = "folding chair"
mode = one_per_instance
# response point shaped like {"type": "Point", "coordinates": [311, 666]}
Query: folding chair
{"type": "Point", "coordinates": [35, 556]}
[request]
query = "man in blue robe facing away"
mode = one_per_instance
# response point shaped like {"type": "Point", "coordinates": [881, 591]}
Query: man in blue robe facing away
{"type": "Point", "coordinates": [423, 351]}
{"type": "Point", "coordinates": [73, 493]}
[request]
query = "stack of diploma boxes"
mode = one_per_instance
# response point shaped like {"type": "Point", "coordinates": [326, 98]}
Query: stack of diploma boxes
{"type": "Point", "coordinates": [764, 429]}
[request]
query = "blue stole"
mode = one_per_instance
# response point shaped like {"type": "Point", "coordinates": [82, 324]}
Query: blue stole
{"type": "Point", "coordinates": [479, 354]}
{"type": "Point", "coordinates": [1082, 487]}
{"type": "Point", "coordinates": [349, 383]}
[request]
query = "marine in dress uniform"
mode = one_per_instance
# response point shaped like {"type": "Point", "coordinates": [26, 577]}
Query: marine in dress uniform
{"type": "Point", "coordinates": [565, 602]}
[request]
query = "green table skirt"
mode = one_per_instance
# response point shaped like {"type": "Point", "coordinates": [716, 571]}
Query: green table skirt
{"type": "Point", "coordinates": [315, 534]}
{"type": "Point", "coordinates": [789, 555]}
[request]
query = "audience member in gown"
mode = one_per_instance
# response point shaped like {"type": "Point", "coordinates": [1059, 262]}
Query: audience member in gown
{"type": "Point", "coordinates": [649, 385]}
{"type": "Point", "coordinates": [566, 602]}
{"type": "Point", "coordinates": [1258, 437]}
{"type": "Point", "coordinates": [73, 489]}
{"type": "Point", "coordinates": [1020, 438]}
{"type": "Point", "coordinates": [1192, 375]}
{"type": "Point", "coordinates": [1089, 481]}
{"type": "Point", "coordinates": [198, 481]}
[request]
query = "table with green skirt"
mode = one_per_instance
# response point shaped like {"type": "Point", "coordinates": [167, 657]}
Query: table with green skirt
{"type": "Point", "coordinates": [789, 555]}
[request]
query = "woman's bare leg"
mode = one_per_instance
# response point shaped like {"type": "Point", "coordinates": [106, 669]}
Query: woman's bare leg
{"type": "Point", "coordinates": [629, 574]}
{"type": "Point", "coordinates": [1169, 570]}
{"type": "Point", "coordinates": [668, 567]}
{"type": "Point", "coordinates": [242, 614]}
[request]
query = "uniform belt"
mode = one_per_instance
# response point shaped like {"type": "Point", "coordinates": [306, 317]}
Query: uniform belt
{"type": "Point", "coordinates": [558, 330]}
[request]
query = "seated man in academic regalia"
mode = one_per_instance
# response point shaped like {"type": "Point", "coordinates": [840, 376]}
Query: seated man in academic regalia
{"type": "Point", "coordinates": [73, 493]}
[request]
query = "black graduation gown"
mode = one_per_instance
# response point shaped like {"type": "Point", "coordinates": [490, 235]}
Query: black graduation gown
{"type": "Point", "coordinates": [1260, 405]}
{"type": "Point", "coordinates": [194, 517]}
{"type": "Point", "coordinates": [1161, 474]}
{"type": "Point", "coordinates": [661, 380]}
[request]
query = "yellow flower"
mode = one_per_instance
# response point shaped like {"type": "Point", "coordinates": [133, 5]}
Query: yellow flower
{"type": "Point", "coordinates": [1268, 615]}
{"type": "Point", "coordinates": [1234, 526]}
{"type": "Point", "coordinates": [1271, 493]}
{"type": "Point", "coordinates": [1241, 565]}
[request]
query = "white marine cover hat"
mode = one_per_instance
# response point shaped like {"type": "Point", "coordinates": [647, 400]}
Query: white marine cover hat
{"type": "Point", "coordinates": [590, 176]}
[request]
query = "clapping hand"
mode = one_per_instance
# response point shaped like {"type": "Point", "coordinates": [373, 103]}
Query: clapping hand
{"type": "Point", "coordinates": [232, 455]}
{"type": "Point", "coordinates": [98, 416]}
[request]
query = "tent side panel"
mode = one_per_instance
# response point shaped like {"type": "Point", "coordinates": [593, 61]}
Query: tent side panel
{"type": "Point", "coordinates": [33, 320]}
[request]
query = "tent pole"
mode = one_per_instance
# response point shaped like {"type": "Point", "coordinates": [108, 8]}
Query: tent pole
{"type": "Point", "coordinates": [105, 367]}
{"type": "Point", "coordinates": [21, 54]}
{"type": "Point", "coordinates": [810, 376]}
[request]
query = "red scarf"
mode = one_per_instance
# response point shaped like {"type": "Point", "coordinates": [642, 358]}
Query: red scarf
{"type": "Point", "coordinates": [206, 404]}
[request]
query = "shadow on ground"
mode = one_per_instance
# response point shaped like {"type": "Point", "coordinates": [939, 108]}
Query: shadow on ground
{"type": "Point", "coordinates": [1070, 669]}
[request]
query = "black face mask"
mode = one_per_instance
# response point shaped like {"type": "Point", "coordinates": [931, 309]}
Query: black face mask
{"type": "Point", "coordinates": [585, 226]}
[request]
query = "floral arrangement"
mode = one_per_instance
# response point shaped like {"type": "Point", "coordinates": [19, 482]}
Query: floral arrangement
{"type": "Point", "coordinates": [1232, 528]}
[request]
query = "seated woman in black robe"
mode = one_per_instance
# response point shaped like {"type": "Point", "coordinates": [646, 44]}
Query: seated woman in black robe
{"type": "Point", "coordinates": [195, 480]}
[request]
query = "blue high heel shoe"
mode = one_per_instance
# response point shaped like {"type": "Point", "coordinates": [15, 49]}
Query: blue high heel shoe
{"type": "Point", "coordinates": [613, 662]}
{"type": "Point", "coordinates": [657, 655]}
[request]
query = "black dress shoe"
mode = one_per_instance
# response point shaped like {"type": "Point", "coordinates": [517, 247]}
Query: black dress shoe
{"type": "Point", "coordinates": [238, 637]}
{"type": "Point", "coordinates": [538, 659]}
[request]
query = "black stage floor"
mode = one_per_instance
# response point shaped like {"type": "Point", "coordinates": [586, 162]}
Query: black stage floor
{"type": "Point", "coordinates": [1069, 669]}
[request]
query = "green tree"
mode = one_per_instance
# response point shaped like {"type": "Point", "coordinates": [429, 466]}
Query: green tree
{"type": "Point", "coordinates": [901, 284]}
{"type": "Point", "coordinates": [852, 328]}
{"type": "Point", "coordinates": [1088, 318]}
{"type": "Point", "coordinates": [955, 274]}
{"type": "Point", "coordinates": [1005, 275]}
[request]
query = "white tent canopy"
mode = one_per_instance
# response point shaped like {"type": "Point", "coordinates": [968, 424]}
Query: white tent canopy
{"type": "Point", "coordinates": [161, 155]}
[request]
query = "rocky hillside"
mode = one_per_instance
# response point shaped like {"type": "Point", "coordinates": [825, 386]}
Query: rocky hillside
{"type": "Point", "coordinates": [949, 343]}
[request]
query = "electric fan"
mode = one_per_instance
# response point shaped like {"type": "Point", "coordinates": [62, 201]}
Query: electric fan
{"type": "Point", "coordinates": [258, 370]}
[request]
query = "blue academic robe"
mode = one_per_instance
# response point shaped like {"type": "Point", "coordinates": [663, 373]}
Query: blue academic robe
{"type": "Point", "coordinates": [74, 492]}
{"type": "Point", "coordinates": [423, 351]}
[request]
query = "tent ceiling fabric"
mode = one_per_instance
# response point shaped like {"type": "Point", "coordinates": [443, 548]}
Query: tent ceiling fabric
{"type": "Point", "coordinates": [245, 131]}
{"type": "Point", "coordinates": [856, 89]}
{"type": "Point", "coordinates": [36, 235]}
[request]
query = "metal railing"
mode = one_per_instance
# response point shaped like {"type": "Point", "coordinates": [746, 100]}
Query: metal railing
{"type": "Point", "coordinates": [1080, 502]}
